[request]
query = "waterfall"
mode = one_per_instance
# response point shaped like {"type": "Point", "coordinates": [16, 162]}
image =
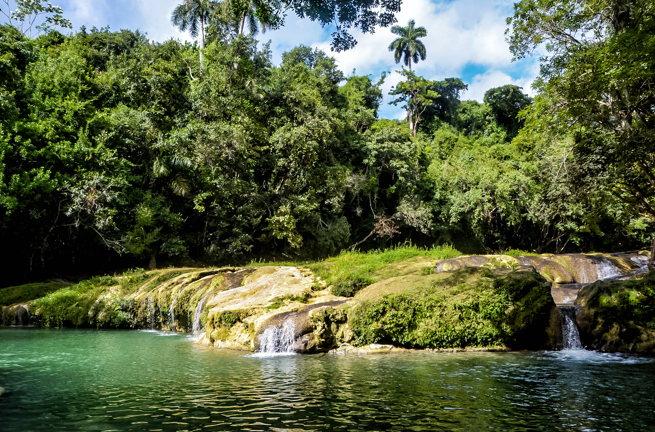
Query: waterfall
{"type": "Point", "coordinates": [606, 269]}
{"type": "Point", "coordinates": [197, 314]}
{"type": "Point", "coordinates": [641, 261]}
{"type": "Point", "coordinates": [151, 314]}
{"type": "Point", "coordinates": [278, 339]}
{"type": "Point", "coordinates": [570, 334]}
{"type": "Point", "coordinates": [171, 311]}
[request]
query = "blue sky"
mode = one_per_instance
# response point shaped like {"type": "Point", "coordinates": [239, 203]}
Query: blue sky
{"type": "Point", "coordinates": [465, 39]}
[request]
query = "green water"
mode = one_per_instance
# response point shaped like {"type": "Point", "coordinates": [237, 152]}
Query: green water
{"type": "Point", "coordinates": [75, 380]}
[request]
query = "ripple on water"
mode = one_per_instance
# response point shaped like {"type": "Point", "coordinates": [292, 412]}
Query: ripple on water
{"type": "Point", "coordinates": [595, 357]}
{"type": "Point", "coordinates": [133, 381]}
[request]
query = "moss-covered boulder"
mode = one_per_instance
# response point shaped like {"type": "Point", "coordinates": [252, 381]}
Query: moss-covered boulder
{"type": "Point", "coordinates": [470, 307]}
{"type": "Point", "coordinates": [618, 316]}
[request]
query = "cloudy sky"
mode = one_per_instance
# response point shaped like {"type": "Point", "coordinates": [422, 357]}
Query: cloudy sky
{"type": "Point", "coordinates": [465, 39]}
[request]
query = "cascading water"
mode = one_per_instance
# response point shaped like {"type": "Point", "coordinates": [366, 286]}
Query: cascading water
{"type": "Point", "coordinates": [606, 269]}
{"type": "Point", "coordinates": [570, 334]}
{"type": "Point", "coordinates": [197, 314]}
{"type": "Point", "coordinates": [171, 311]}
{"type": "Point", "coordinates": [641, 261]}
{"type": "Point", "coordinates": [151, 314]}
{"type": "Point", "coordinates": [276, 340]}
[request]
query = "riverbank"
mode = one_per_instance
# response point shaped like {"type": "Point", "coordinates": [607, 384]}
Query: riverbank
{"type": "Point", "coordinates": [404, 298]}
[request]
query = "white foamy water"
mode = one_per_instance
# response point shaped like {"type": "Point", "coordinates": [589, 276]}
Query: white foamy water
{"type": "Point", "coordinates": [606, 269]}
{"type": "Point", "coordinates": [570, 334]}
{"type": "Point", "coordinates": [197, 314]}
{"type": "Point", "coordinates": [171, 310]}
{"type": "Point", "coordinates": [151, 314]}
{"type": "Point", "coordinates": [640, 260]}
{"type": "Point", "coordinates": [595, 357]}
{"type": "Point", "coordinates": [277, 340]}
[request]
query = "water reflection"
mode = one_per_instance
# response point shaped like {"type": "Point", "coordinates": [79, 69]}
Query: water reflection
{"type": "Point", "coordinates": [85, 380]}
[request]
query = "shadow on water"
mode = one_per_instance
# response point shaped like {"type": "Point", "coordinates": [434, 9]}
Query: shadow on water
{"type": "Point", "coordinates": [97, 380]}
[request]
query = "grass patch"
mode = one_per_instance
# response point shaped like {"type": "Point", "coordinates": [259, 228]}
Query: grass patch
{"type": "Point", "coordinates": [77, 305]}
{"type": "Point", "coordinates": [351, 271]}
{"type": "Point", "coordinates": [278, 302]}
{"type": "Point", "coordinates": [163, 277]}
{"type": "Point", "coordinates": [518, 253]}
{"type": "Point", "coordinates": [27, 292]}
{"type": "Point", "coordinates": [132, 279]}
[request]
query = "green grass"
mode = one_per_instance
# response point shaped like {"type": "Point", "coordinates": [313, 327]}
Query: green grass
{"type": "Point", "coordinates": [163, 277]}
{"type": "Point", "coordinates": [27, 292]}
{"type": "Point", "coordinates": [518, 252]}
{"type": "Point", "coordinates": [73, 306]}
{"type": "Point", "coordinates": [278, 302]}
{"type": "Point", "coordinates": [132, 279]}
{"type": "Point", "coordinates": [349, 272]}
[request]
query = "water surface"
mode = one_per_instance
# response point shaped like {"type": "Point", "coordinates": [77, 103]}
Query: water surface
{"type": "Point", "coordinates": [78, 380]}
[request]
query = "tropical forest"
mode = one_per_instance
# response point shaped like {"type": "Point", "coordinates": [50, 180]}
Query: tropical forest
{"type": "Point", "coordinates": [208, 231]}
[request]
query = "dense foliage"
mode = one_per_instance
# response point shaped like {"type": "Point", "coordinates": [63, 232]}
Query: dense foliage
{"type": "Point", "coordinates": [116, 151]}
{"type": "Point", "coordinates": [596, 101]}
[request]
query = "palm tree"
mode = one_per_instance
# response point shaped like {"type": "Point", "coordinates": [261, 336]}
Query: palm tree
{"type": "Point", "coordinates": [255, 13]}
{"type": "Point", "coordinates": [193, 15]}
{"type": "Point", "coordinates": [408, 44]}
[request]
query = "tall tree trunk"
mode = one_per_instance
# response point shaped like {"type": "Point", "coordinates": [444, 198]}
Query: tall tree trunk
{"type": "Point", "coordinates": [202, 44]}
{"type": "Point", "coordinates": [153, 262]}
{"type": "Point", "coordinates": [243, 22]}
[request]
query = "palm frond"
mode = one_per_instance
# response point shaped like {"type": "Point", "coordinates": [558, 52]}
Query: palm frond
{"type": "Point", "coordinates": [399, 31]}
{"type": "Point", "coordinates": [180, 186]}
{"type": "Point", "coordinates": [420, 32]}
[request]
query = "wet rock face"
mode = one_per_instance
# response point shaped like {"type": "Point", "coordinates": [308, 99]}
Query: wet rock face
{"type": "Point", "coordinates": [269, 298]}
{"type": "Point", "coordinates": [317, 327]}
{"type": "Point", "coordinates": [560, 269]}
{"type": "Point", "coordinates": [18, 315]}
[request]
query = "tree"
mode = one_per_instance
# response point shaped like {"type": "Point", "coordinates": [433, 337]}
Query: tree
{"type": "Point", "coordinates": [365, 15]}
{"type": "Point", "coordinates": [597, 85]}
{"type": "Point", "coordinates": [506, 102]}
{"type": "Point", "coordinates": [25, 16]}
{"type": "Point", "coordinates": [445, 107]}
{"type": "Point", "coordinates": [257, 13]}
{"type": "Point", "coordinates": [193, 15]}
{"type": "Point", "coordinates": [407, 46]}
{"type": "Point", "coordinates": [417, 94]}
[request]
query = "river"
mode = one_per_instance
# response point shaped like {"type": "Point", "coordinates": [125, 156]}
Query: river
{"type": "Point", "coordinates": [84, 380]}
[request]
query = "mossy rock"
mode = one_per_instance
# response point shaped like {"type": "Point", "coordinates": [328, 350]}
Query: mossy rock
{"type": "Point", "coordinates": [618, 316]}
{"type": "Point", "coordinates": [471, 307]}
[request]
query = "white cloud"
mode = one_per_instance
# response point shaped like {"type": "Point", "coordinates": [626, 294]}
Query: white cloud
{"type": "Point", "coordinates": [490, 79]}
{"type": "Point", "coordinates": [459, 33]}
{"type": "Point", "coordinates": [148, 16]}
{"type": "Point", "coordinates": [87, 13]}
{"type": "Point", "coordinates": [156, 19]}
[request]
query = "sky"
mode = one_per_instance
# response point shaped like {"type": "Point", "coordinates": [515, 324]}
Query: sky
{"type": "Point", "coordinates": [465, 39]}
